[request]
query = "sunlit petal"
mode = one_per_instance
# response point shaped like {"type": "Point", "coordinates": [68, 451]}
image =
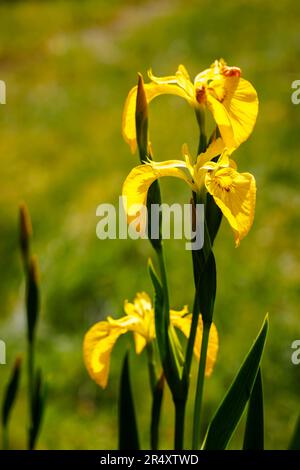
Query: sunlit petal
{"type": "Point", "coordinates": [241, 103]}
{"type": "Point", "coordinates": [97, 347]}
{"type": "Point", "coordinates": [183, 321]}
{"type": "Point", "coordinates": [223, 121]}
{"type": "Point", "coordinates": [137, 183]}
{"type": "Point", "coordinates": [235, 194]}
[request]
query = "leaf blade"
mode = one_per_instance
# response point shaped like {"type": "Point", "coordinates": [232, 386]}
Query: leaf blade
{"type": "Point", "coordinates": [295, 442]}
{"type": "Point", "coordinates": [254, 432]}
{"type": "Point", "coordinates": [231, 409]}
{"type": "Point", "coordinates": [11, 392]}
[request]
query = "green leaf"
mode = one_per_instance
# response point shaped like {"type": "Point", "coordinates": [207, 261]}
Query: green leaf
{"type": "Point", "coordinates": [11, 392]}
{"type": "Point", "coordinates": [156, 411]}
{"type": "Point", "coordinates": [169, 347]}
{"type": "Point", "coordinates": [295, 442]}
{"type": "Point", "coordinates": [254, 432]}
{"type": "Point", "coordinates": [128, 432]}
{"type": "Point", "coordinates": [231, 409]}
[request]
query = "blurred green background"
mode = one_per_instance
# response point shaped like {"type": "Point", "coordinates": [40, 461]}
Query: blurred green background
{"type": "Point", "coordinates": [68, 67]}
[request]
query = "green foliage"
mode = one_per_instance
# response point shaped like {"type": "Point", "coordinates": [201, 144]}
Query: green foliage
{"type": "Point", "coordinates": [38, 408]}
{"type": "Point", "coordinates": [128, 432]}
{"type": "Point", "coordinates": [232, 407]}
{"type": "Point", "coordinates": [9, 399]}
{"type": "Point", "coordinates": [68, 71]}
{"type": "Point", "coordinates": [295, 442]}
{"type": "Point", "coordinates": [254, 432]}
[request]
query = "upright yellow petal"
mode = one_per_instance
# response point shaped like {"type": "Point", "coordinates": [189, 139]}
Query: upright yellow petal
{"type": "Point", "coordinates": [183, 321]}
{"type": "Point", "coordinates": [137, 183]}
{"type": "Point", "coordinates": [235, 194]}
{"type": "Point", "coordinates": [181, 78]}
{"type": "Point", "coordinates": [213, 150]}
{"type": "Point", "coordinates": [152, 90]}
{"type": "Point", "coordinates": [97, 346]}
{"type": "Point", "coordinates": [143, 330]}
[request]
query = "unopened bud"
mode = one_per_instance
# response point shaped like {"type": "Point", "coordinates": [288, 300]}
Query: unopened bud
{"type": "Point", "coordinates": [25, 230]}
{"type": "Point", "coordinates": [32, 297]}
{"type": "Point", "coordinates": [141, 119]}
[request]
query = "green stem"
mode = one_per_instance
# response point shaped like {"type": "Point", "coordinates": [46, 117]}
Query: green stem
{"type": "Point", "coordinates": [174, 380]}
{"type": "Point", "coordinates": [200, 115]}
{"type": "Point", "coordinates": [30, 361]}
{"type": "Point", "coordinates": [5, 439]}
{"type": "Point", "coordinates": [179, 424]}
{"type": "Point", "coordinates": [205, 251]}
{"type": "Point", "coordinates": [164, 280]}
{"type": "Point", "coordinates": [151, 366]}
{"type": "Point", "coordinates": [157, 394]}
{"type": "Point", "coordinates": [200, 387]}
{"type": "Point", "coordinates": [191, 341]}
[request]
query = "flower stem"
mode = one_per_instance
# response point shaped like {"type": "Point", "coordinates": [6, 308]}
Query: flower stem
{"type": "Point", "coordinates": [179, 398]}
{"type": "Point", "coordinates": [200, 115]}
{"type": "Point", "coordinates": [179, 423]}
{"type": "Point", "coordinates": [164, 280]}
{"type": "Point", "coordinates": [151, 366]}
{"type": "Point", "coordinates": [157, 385]}
{"type": "Point", "coordinates": [200, 386]}
{"type": "Point", "coordinates": [5, 437]}
{"type": "Point", "coordinates": [191, 341]}
{"type": "Point", "coordinates": [30, 364]}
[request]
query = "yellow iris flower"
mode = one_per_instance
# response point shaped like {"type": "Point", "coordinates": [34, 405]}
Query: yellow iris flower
{"type": "Point", "coordinates": [231, 99]}
{"type": "Point", "coordinates": [233, 192]}
{"type": "Point", "coordinates": [139, 319]}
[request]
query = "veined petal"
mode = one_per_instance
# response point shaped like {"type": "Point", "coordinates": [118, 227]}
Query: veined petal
{"type": "Point", "coordinates": [183, 321]}
{"type": "Point", "coordinates": [137, 183]}
{"type": "Point", "coordinates": [152, 90]}
{"type": "Point", "coordinates": [235, 194]}
{"type": "Point", "coordinates": [241, 103]}
{"type": "Point", "coordinates": [223, 121]}
{"type": "Point", "coordinates": [97, 346]}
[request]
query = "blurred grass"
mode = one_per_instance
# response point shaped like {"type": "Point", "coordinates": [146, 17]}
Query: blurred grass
{"type": "Point", "coordinates": [68, 67]}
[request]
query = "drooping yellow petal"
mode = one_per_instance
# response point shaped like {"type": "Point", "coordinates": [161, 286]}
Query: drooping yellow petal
{"type": "Point", "coordinates": [235, 194]}
{"type": "Point", "coordinates": [241, 103]}
{"type": "Point", "coordinates": [97, 346]}
{"type": "Point", "coordinates": [137, 183]}
{"type": "Point", "coordinates": [152, 90]}
{"type": "Point", "coordinates": [183, 321]}
{"type": "Point", "coordinates": [223, 122]}
{"type": "Point", "coordinates": [231, 99]}
{"type": "Point", "coordinates": [100, 339]}
{"type": "Point", "coordinates": [139, 343]}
